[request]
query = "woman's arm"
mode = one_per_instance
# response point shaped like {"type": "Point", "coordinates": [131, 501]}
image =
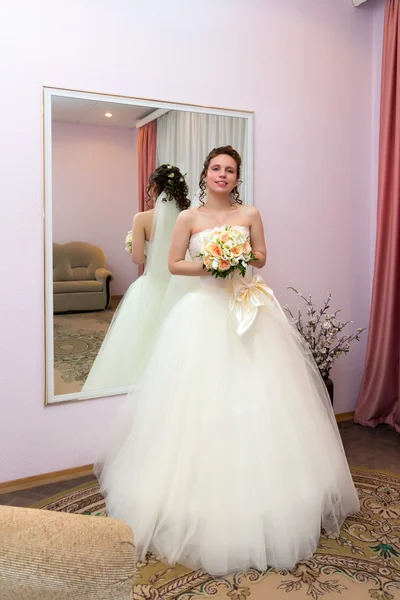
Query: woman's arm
{"type": "Point", "coordinates": [180, 243]}
{"type": "Point", "coordinates": [257, 239]}
{"type": "Point", "coordinates": [138, 240]}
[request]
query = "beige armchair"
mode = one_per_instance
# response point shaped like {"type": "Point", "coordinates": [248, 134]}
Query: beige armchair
{"type": "Point", "coordinates": [48, 555]}
{"type": "Point", "coordinates": [80, 280]}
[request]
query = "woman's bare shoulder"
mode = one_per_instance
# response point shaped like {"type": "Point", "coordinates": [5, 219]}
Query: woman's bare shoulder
{"type": "Point", "coordinates": [187, 216]}
{"type": "Point", "coordinates": [141, 218]}
{"type": "Point", "coordinates": [249, 210]}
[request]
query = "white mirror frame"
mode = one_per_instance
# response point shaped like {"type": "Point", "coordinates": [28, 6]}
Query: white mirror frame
{"type": "Point", "coordinates": [47, 94]}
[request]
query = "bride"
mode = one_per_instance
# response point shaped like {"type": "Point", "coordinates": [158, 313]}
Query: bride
{"type": "Point", "coordinates": [228, 455]}
{"type": "Point", "coordinates": [125, 348]}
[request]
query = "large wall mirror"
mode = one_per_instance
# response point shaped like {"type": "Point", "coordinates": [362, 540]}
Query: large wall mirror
{"type": "Point", "coordinates": [95, 150]}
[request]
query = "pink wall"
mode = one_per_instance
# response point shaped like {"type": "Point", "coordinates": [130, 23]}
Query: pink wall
{"type": "Point", "coordinates": [379, 14]}
{"type": "Point", "coordinates": [95, 192]}
{"type": "Point", "coordinates": [306, 69]}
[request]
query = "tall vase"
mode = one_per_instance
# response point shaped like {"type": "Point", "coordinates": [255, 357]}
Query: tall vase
{"type": "Point", "coordinates": [329, 386]}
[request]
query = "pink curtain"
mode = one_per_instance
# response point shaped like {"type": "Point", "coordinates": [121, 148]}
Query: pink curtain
{"type": "Point", "coordinates": [147, 148]}
{"type": "Point", "coordinates": [379, 396]}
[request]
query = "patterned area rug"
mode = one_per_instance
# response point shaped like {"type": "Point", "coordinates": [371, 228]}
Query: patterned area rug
{"type": "Point", "coordinates": [77, 340]}
{"type": "Point", "coordinates": [363, 562]}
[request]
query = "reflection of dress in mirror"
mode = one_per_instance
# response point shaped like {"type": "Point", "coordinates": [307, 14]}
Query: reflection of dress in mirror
{"type": "Point", "coordinates": [123, 353]}
{"type": "Point", "coordinates": [227, 455]}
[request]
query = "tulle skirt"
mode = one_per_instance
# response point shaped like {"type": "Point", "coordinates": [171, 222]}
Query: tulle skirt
{"type": "Point", "coordinates": [227, 455]}
{"type": "Point", "coordinates": [123, 353]}
{"type": "Point", "coordinates": [126, 347]}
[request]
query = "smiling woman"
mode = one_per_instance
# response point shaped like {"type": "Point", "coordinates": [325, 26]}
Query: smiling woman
{"type": "Point", "coordinates": [95, 174]}
{"type": "Point", "coordinates": [213, 396]}
{"type": "Point", "coordinates": [222, 175]}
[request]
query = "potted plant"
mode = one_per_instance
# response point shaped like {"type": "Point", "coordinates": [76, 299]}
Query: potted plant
{"type": "Point", "coordinates": [322, 332]}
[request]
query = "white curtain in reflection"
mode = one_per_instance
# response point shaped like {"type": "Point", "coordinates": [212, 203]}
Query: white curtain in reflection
{"type": "Point", "coordinates": [184, 139]}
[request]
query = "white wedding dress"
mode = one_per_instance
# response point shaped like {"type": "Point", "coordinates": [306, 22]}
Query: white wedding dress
{"type": "Point", "coordinates": [228, 456]}
{"type": "Point", "coordinates": [125, 349]}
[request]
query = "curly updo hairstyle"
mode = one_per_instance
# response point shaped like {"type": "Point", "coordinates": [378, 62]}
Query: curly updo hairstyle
{"type": "Point", "coordinates": [170, 180]}
{"type": "Point", "coordinates": [213, 154]}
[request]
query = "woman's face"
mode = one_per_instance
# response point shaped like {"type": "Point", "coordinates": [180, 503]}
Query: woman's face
{"type": "Point", "coordinates": [222, 174]}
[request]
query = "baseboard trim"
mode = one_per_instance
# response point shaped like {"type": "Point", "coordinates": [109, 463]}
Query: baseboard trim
{"type": "Point", "coordinates": [344, 416]}
{"type": "Point", "coordinates": [44, 479]}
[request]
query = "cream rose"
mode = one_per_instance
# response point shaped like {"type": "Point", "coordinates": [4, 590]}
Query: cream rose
{"type": "Point", "coordinates": [226, 237]}
{"type": "Point", "coordinates": [237, 251]}
{"type": "Point", "coordinates": [208, 262]}
{"type": "Point", "coordinates": [224, 265]}
{"type": "Point", "coordinates": [247, 247]}
{"type": "Point", "coordinates": [214, 250]}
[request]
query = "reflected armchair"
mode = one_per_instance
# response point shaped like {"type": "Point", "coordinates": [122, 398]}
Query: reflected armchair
{"type": "Point", "coordinates": [80, 280]}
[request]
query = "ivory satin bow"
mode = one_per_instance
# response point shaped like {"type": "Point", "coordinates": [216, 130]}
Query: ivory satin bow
{"type": "Point", "coordinates": [246, 299]}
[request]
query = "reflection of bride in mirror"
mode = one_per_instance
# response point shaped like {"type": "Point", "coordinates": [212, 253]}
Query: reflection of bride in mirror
{"type": "Point", "coordinates": [123, 353]}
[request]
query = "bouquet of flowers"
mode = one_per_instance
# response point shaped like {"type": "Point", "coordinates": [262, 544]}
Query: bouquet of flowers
{"type": "Point", "coordinates": [128, 242]}
{"type": "Point", "coordinates": [224, 250]}
{"type": "Point", "coordinates": [322, 333]}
